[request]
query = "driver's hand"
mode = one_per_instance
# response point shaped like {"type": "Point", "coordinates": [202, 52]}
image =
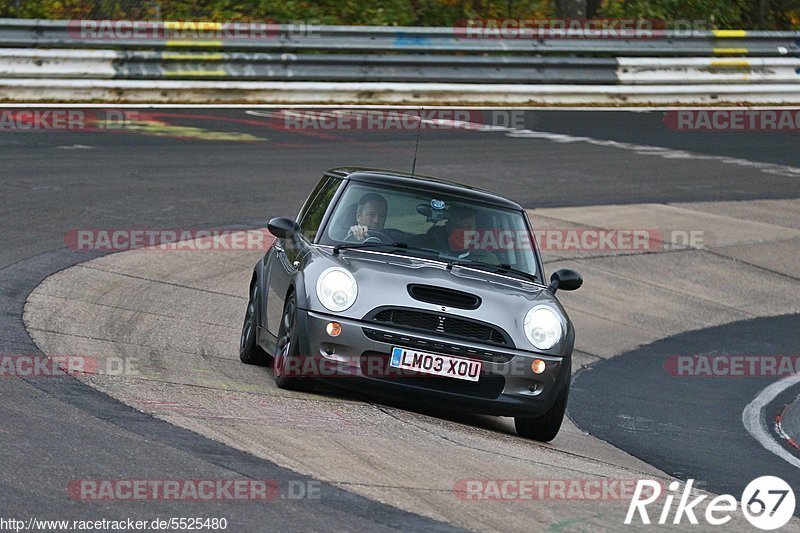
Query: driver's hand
{"type": "Point", "coordinates": [359, 232]}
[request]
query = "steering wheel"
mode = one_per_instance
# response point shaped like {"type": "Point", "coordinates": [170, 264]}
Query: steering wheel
{"type": "Point", "coordinates": [377, 236]}
{"type": "Point", "coordinates": [373, 236]}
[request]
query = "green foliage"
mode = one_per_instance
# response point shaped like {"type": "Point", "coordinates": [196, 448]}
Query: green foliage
{"type": "Point", "coordinates": [748, 14]}
{"type": "Point", "coordinates": [713, 14]}
{"type": "Point", "coordinates": [359, 12]}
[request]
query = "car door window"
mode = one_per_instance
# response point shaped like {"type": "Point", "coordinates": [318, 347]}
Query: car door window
{"type": "Point", "coordinates": [311, 197]}
{"type": "Point", "coordinates": [312, 214]}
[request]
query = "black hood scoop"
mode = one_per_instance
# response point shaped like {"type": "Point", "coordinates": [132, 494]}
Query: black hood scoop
{"type": "Point", "coordinates": [442, 296]}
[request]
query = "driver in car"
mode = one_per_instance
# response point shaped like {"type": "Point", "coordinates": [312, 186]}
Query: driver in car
{"type": "Point", "coordinates": [370, 214]}
{"type": "Point", "coordinates": [454, 238]}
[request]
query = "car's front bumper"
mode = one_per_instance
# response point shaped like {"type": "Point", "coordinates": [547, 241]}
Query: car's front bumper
{"type": "Point", "coordinates": [358, 358]}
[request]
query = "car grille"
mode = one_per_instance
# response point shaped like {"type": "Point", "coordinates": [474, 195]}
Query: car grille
{"type": "Point", "coordinates": [489, 386]}
{"type": "Point", "coordinates": [442, 324]}
{"type": "Point", "coordinates": [442, 347]}
{"type": "Point", "coordinates": [442, 296]}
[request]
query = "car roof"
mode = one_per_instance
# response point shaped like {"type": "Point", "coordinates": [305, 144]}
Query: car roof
{"type": "Point", "coordinates": [404, 179]}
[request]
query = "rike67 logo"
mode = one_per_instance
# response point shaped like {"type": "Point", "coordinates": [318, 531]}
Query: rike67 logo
{"type": "Point", "coordinates": [767, 502]}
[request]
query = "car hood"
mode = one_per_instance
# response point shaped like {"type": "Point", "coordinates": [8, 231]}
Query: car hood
{"type": "Point", "coordinates": [383, 281]}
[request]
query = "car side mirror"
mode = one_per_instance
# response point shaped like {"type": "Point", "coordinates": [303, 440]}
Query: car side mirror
{"type": "Point", "coordinates": [564, 279]}
{"type": "Point", "coordinates": [283, 227]}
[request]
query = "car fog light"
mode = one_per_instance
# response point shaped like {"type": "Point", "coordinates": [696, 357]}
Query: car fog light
{"type": "Point", "coordinates": [536, 389]}
{"type": "Point", "coordinates": [333, 329]}
{"type": "Point", "coordinates": [537, 366]}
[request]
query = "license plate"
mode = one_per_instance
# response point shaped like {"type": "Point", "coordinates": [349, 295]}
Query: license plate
{"type": "Point", "coordinates": [434, 364]}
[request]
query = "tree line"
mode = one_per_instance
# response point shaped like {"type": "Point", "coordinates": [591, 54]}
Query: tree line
{"type": "Point", "coordinates": [711, 14]}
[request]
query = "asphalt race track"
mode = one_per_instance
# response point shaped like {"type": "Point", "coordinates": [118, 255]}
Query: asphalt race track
{"type": "Point", "coordinates": [688, 427]}
{"type": "Point", "coordinates": [236, 168]}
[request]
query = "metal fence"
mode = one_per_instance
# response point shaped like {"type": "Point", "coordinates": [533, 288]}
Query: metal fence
{"type": "Point", "coordinates": [70, 54]}
{"type": "Point", "coordinates": [385, 39]}
{"type": "Point", "coordinates": [191, 65]}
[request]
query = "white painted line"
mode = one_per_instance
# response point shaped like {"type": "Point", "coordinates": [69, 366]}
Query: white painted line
{"type": "Point", "coordinates": [667, 153]}
{"type": "Point", "coordinates": [639, 149]}
{"type": "Point", "coordinates": [754, 424]}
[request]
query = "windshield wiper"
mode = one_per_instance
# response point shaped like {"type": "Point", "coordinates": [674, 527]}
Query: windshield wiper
{"type": "Point", "coordinates": [355, 246]}
{"type": "Point", "coordinates": [503, 268]}
{"type": "Point", "coordinates": [400, 245]}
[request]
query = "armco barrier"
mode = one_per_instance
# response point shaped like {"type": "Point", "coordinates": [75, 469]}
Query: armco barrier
{"type": "Point", "coordinates": [691, 70]}
{"type": "Point", "coordinates": [62, 60]}
{"type": "Point", "coordinates": [26, 63]}
{"type": "Point", "coordinates": [361, 93]}
{"type": "Point", "coordinates": [152, 65]}
{"type": "Point", "coordinates": [371, 39]}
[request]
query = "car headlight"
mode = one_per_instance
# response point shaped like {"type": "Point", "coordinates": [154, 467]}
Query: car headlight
{"type": "Point", "coordinates": [543, 327]}
{"type": "Point", "coordinates": [337, 289]}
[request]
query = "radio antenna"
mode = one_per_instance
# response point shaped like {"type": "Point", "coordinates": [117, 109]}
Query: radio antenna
{"type": "Point", "coordinates": [416, 144]}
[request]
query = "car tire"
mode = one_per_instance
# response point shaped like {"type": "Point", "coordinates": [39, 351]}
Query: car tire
{"type": "Point", "coordinates": [286, 350]}
{"type": "Point", "coordinates": [250, 353]}
{"type": "Point", "coordinates": [544, 428]}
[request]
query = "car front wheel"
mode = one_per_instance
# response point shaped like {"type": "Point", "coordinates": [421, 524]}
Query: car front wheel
{"type": "Point", "coordinates": [249, 351]}
{"type": "Point", "coordinates": [544, 428]}
{"type": "Point", "coordinates": [285, 364]}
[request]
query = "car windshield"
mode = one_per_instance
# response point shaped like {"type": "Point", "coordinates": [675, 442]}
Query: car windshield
{"type": "Point", "coordinates": [431, 225]}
